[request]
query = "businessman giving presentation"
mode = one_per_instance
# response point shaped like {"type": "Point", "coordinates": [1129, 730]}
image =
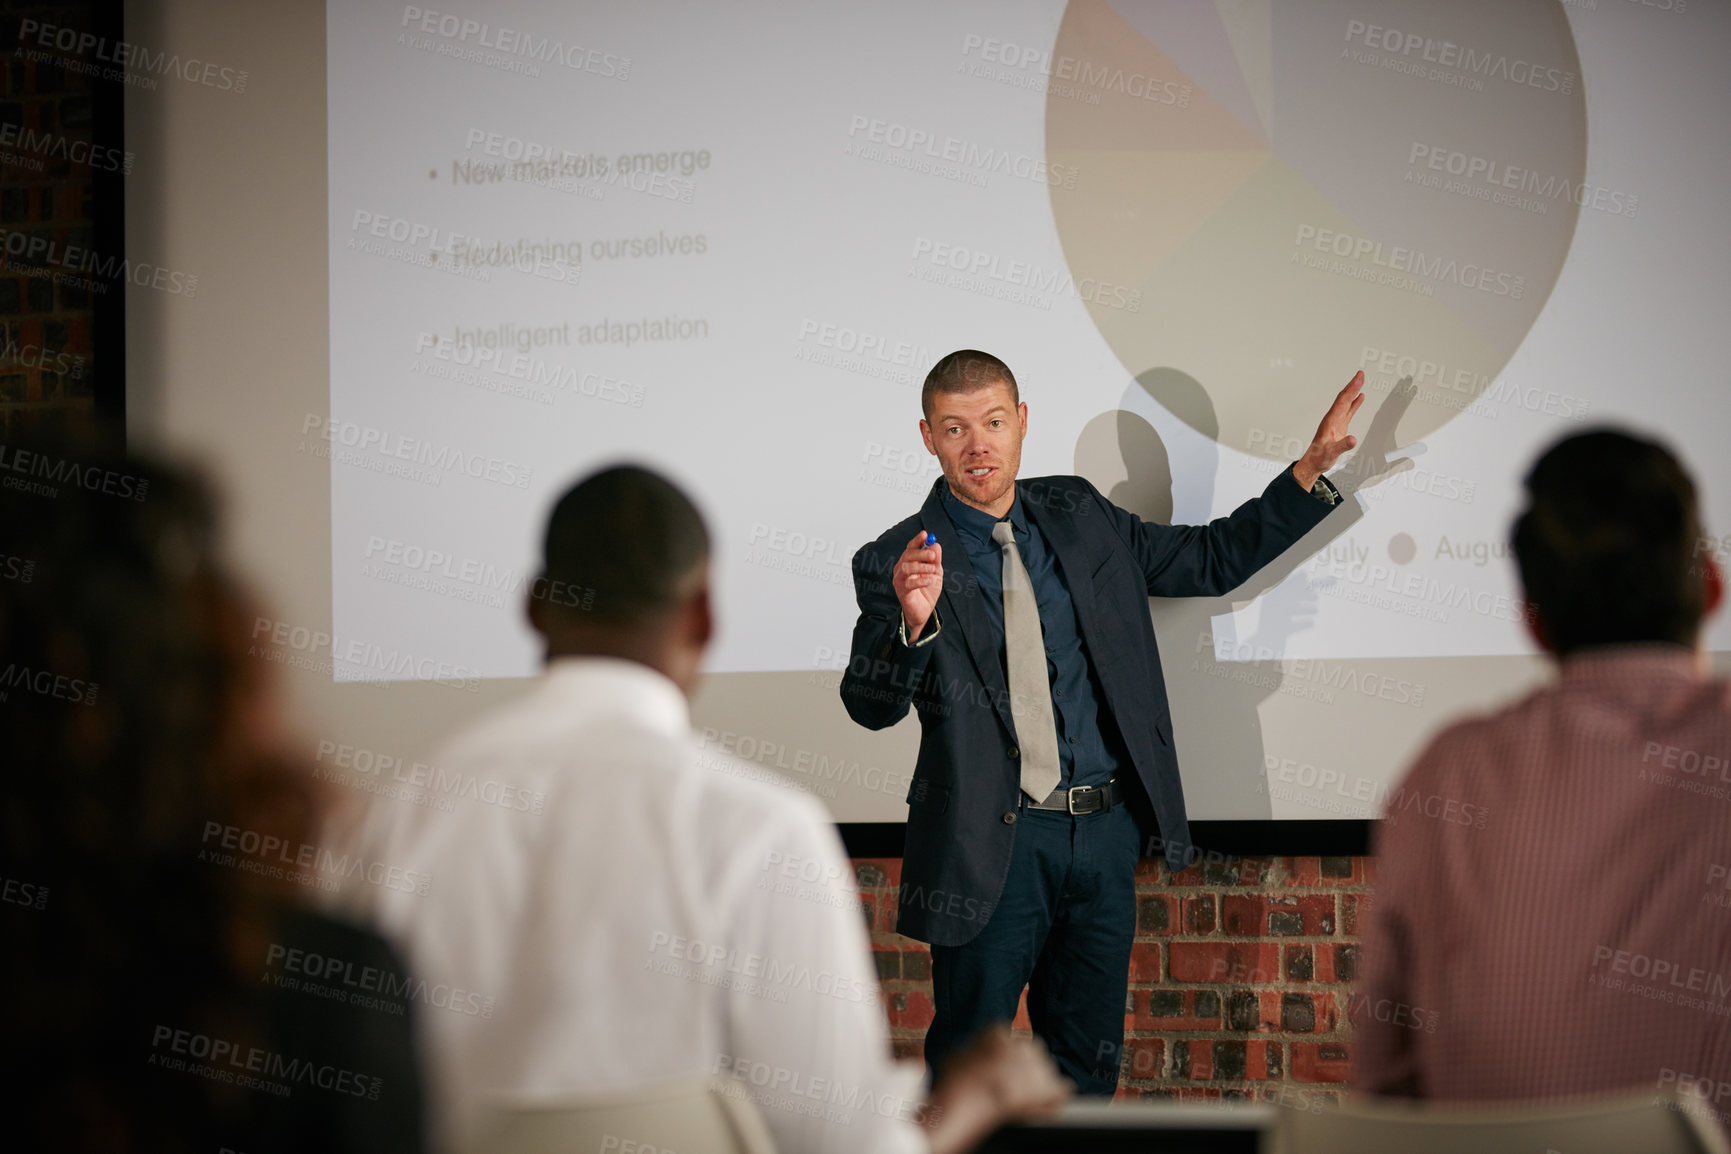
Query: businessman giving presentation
{"type": "Point", "coordinates": [1012, 616]}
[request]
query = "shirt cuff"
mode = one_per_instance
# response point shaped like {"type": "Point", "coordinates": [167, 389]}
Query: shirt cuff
{"type": "Point", "coordinates": [1325, 491]}
{"type": "Point", "coordinates": [937, 627]}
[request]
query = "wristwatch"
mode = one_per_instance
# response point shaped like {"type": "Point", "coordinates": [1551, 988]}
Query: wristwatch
{"type": "Point", "coordinates": [1325, 491]}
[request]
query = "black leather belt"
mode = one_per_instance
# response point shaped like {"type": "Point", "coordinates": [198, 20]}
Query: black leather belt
{"type": "Point", "coordinates": [1080, 799]}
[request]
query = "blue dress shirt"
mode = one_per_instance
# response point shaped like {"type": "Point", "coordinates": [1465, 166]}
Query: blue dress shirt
{"type": "Point", "coordinates": [1087, 752]}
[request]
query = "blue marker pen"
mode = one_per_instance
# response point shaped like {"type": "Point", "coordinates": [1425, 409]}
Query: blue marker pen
{"type": "Point", "coordinates": [931, 539]}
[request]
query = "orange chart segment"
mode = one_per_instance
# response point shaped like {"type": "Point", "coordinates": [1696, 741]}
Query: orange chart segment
{"type": "Point", "coordinates": [1388, 216]}
{"type": "Point", "coordinates": [1144, 98]}
{"type": "Point", "coordinates": [1195, 39]}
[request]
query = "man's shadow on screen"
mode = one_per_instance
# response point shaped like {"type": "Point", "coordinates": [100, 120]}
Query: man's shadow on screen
{"type": "Point", "coordinates": [1216, 719]}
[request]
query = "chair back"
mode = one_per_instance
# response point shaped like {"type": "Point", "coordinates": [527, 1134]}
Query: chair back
{"type": "Point", "coordinates": [696, 1116]}
{"type": "Point", "coordinates": [1650, 1122]}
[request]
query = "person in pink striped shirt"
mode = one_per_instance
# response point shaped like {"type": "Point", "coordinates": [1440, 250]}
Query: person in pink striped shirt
{"type": "Point", "coordinates": [1575, 938]}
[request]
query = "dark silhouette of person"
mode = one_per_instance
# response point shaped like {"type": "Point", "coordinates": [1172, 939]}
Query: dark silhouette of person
{"type": "Point", "coordinates": [148, 1000]}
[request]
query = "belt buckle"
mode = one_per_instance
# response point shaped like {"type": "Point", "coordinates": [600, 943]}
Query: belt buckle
{"type": "Point", "coordinates": [1070, 798]}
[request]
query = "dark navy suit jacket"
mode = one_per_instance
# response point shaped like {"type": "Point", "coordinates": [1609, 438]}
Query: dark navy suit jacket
{"type": "Point", "coordinates": [962, 802]}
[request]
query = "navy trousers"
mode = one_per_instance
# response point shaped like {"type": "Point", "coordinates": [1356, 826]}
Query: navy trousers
{"type": "Point", "coordinates": [1063, 928]}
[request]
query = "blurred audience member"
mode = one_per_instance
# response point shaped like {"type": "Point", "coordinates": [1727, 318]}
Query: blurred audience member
{"type": "Point", "coordinates": [1552, 914]}
{"type": "Point", "coordinates": [633, 910]}
{"type": "Point", "coordinates": [147, 929]}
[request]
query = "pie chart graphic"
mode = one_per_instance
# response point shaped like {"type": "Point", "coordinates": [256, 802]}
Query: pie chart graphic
{"type": "Point", "coordinates": [1300, 190]}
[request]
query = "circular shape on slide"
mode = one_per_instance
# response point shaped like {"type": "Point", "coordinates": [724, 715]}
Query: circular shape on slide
{"type": "Point", "coordinates": [1300, 190]}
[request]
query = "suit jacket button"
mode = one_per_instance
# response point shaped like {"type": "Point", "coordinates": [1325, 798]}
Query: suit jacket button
{"type": "Point", "coordinates": [1010, 818]}
{"type": "Point", "coordinates": [1014, 752]}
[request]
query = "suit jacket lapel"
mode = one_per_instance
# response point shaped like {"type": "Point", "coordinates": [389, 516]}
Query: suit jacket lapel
{"type": "Point", "coordinates": [960, 606]}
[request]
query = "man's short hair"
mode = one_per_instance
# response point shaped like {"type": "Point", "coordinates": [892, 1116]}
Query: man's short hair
{"type": "Point", "coordinates": [1607, 544]}
{"type": "Point", "coordinates": [622, 546]}
{"type": "Point", "coordinates": [963, 371]}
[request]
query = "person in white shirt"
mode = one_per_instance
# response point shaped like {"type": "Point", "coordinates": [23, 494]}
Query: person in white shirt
{"type": "Point", "coordinates": [613, 908]}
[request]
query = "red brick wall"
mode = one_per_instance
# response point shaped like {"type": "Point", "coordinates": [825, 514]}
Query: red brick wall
{"type": "Point", "coordinates": [1240, 979]}
{"type": "Point", "coordinates": [45, 326]}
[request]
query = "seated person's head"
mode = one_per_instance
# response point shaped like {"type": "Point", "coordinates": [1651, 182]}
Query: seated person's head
{"type": "Point", "coordinates": [1609, 546]}
{"type": "Point", "coordinates": [625, 573]}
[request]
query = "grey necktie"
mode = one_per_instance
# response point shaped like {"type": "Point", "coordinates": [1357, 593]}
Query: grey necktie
{"type": "Point", "coordinates": [1030, 690]}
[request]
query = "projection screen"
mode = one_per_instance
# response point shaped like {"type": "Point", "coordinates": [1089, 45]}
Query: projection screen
{"type": "Point", "coordinates": [452, 258]}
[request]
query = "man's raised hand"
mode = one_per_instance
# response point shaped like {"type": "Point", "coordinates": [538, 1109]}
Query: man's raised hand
{"type": "Point", "coordinates": [918, 579]}
{"type": "Point", "coordinates": [1331, 438]}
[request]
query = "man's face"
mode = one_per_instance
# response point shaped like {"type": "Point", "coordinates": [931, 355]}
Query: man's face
{"type": "Point", "coordinates": [977, 436]}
